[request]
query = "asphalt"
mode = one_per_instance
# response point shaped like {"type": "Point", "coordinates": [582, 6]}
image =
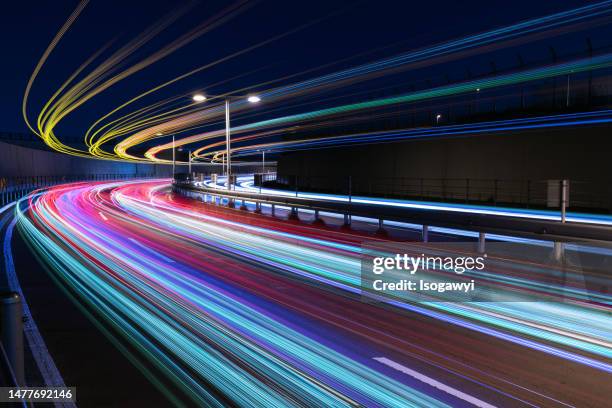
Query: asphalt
{"type": "Point", "coordinates": [85, 356]}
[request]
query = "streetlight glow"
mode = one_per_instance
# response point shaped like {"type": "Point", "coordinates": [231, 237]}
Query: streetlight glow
{"type": "Point", "coordinates": [199, 98]}
{"type": "Point", "coordinates": [254, 99]}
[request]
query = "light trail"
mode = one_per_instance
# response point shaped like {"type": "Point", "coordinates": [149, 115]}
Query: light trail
{"type": "Point", "coordinates": [542, 122]}
{"type": "Point", "coordinates": [237, 307]}
{"type": "Point", "coordinates": [246, 183]}
{"type": "Point", "coordinates": [170, 115]}
{"type": "Point", "coordinates": [455, 89]}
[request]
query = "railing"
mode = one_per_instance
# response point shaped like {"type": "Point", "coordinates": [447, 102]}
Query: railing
{"type": "Point", "coordinates": [14, 188]}
{"type": "Point", "coordinates": [584, 195]}
{"type": "Point", "coordinates": [542, 229]}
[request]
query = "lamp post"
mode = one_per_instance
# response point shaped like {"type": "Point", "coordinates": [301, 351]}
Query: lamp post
{"type": "Point", "coordinates": [263, 162]}
{"type": "Point", "coordinates": [228, 158]}
{"type": "Point", "coordinates": [189, 163]}
{"type": "Point", "coordinates": [173, 157]}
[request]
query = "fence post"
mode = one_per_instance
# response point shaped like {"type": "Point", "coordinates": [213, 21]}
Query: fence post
{"type": "Point", "coordinates": [564, 198]}
{"type": "Point", "coordinates": [12, 333]}
{"type": "Point", "coordinates": [481, 242]}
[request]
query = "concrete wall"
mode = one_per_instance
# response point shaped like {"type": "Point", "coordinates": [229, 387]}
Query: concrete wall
{"type": "Point", "coordinates": [21, 161]}
{"type": "Point", "coordinates": [581, 154]}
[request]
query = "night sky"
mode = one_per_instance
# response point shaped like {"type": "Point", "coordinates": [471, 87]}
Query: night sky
{"type": "Point", "coordinates": [346, 33]}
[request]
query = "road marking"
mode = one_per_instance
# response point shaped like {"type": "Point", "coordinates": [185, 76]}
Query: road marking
{"type": "Point", "coordinates": [433, 383]}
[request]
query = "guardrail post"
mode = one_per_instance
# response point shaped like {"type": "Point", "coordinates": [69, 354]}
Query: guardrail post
{"type": "Point", "coordinates": [243, 206]}
{"type": "Point", "coordinates": [293, 215]}
{"type": "Point", "coordinates": [381, 228]}
{"type": "Point", "coordinates": [564, 199]}
{"type": "Point", "coordinates": [257, 207]}
{"type": "Point", "coordinates": [273, 210]}
{"type": "Point", "coordinates": [11, 327]}
{"type": "Point", "coordinates": [558, 251]}
{"type": "Point", "coordinates": [425, 233]}
{"type": "Point", "coordinates": [481, 242]}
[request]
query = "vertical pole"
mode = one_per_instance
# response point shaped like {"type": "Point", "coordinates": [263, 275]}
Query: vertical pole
{"type": "Point", "coordinates": [481, 242]}
{"type": "Point", "coordinates": [263, 167]}
{"type": "Point", "coordinates": [12, 333]}
{"type": "Point", "coordinates": [173, 157]}
{"type": "Point", "coordinates": [189, 163]}
{"type": "Point", "coordinates": [558, 251]}
{"type": "Point", "coordinates": [425, 233]}
{"type": "Point", "coordinates": [227, 144]}
{"type": "Point", "coordinates": [563, 199]}
{"type": "Point", "coordinates": [381, 227]}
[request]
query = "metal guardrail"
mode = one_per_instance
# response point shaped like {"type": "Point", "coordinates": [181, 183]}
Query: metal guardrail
{"type": "Point", "coordinates": [483, 223]}
{"type": "Point", "coordinates": [14, 188]}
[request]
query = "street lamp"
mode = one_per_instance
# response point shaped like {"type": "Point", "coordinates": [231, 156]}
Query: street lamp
{"type": "Point", "coordinates": [438, 117]}
{"type": "Point", "coordinates": [228, 158]}
{"type": "Point", "coordinates": [199, 98]}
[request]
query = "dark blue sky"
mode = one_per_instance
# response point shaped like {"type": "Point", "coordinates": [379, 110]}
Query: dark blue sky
{"type": "Point", "coordinates": [377, 28]}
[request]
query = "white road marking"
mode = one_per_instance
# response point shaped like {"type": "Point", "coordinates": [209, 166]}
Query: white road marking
{"type": "Point", "coordinates": [434, 383]}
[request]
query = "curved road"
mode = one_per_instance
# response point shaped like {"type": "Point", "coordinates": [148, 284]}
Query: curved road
{"type": "Point", "coordinates": [236, 308]}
